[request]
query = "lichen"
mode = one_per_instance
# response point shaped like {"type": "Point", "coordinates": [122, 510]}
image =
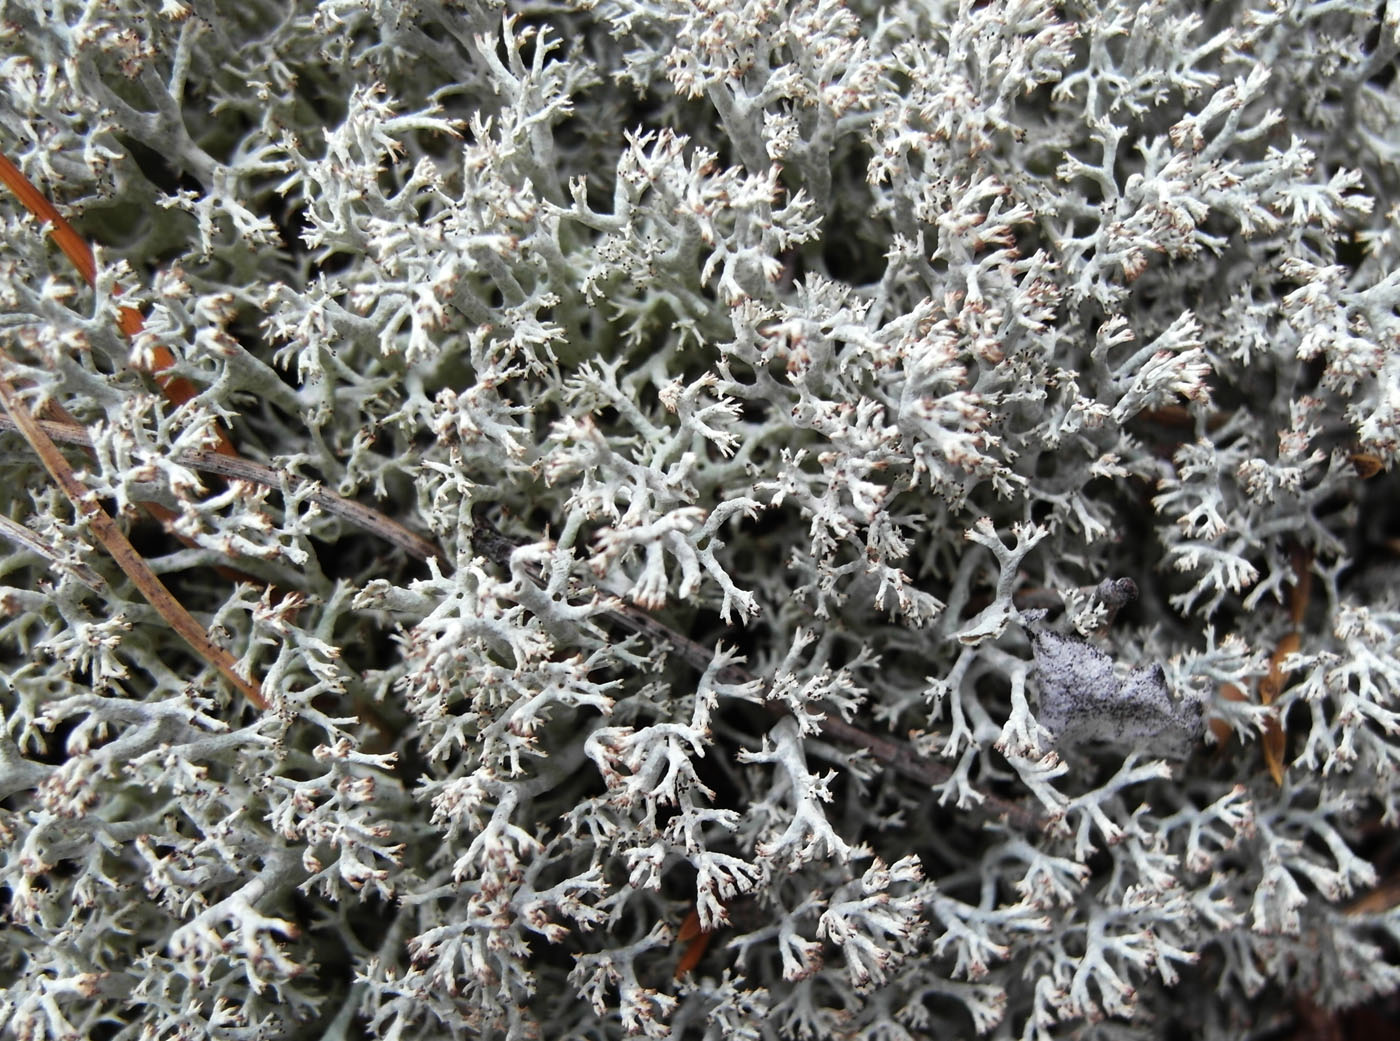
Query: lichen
{"type": "Point", "coordinates": [709, 391]}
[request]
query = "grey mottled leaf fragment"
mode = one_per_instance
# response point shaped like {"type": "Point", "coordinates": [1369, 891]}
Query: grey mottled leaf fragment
{"type": "Point", "coordinates": [1083, 699]}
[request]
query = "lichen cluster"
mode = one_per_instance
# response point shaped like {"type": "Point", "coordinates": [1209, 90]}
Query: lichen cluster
{"type": "Point", "coordinates": [869, 346]}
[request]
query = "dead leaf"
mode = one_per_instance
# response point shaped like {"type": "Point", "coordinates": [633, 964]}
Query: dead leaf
{"type": "Point", "coordinates": [697, 941]}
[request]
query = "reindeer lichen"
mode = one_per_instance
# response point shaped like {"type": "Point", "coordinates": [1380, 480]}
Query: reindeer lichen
{"type": "Point", "coordinates": [656, 425]}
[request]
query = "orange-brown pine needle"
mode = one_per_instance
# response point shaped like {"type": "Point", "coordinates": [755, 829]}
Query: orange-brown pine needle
{"type": "Point", "coordinates": [116, 544]}
{"type": "Point", "coordinates": [177, 389]}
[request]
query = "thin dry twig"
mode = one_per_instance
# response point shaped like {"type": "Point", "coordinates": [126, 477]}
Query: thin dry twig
{"type": "Point", "coordinates": [116, 544]}
{"type": "Point", "coordinates": [357, 513]}
{"type": "Point", "coordinates": [19, 535]}
{"type": "Point", "coordinates": [239, 469]}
